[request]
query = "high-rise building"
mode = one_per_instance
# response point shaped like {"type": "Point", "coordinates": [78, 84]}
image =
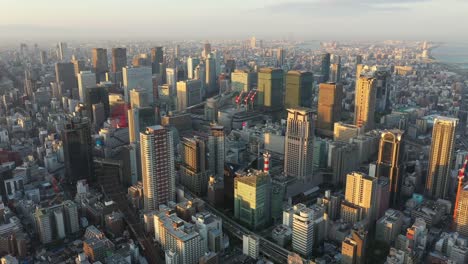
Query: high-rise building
{"type": "Point", "coordinates": [361, 191]}
{"type": "Point", "coordinates": [210, 78]}
{"type": "Point", "coordinates": [344, 132]}
{"type": "Point", "coordinates": [57, 221]}
{"type": "Point", "coordinates": [157, 164]}
{"type": "Point", "coordinates": [388, 227]}
{"type": "Point", "coordinates": [119, 59]}
{"type": "Point", "coordinates": [335, 73]}
{"type": "Point", "coordinates": [100, 63]}
{"type": "Point", "coordinates": [389, 161]}
{"type": "Point", "coordinates": [139, 98]}
{"type": "Point", "coordinates": [63, 53]}
{"type": "Point", "coordinates": [440, 157]}
{"type": "Point", "coordinates": [325, 67]}
{"type": "Point", "coordinates": [137, 78]}
{"type": "Point", "coordinates": [206, 50]}
{"type": "Point", "coordinates": [298, 156]}
{"type": "Point", "coordinates": [461, 221]}
{"type": "Point", "coordinates": [353, 248]}
{"type": "Point", "coordinates": [252, 199]}
{"type": "Point", "coordinates": [298, 91]}
{"type": "Point", "coordinates": [242, 80]}
{"type": "Point", "coordinates": [192, 64]}
{"type": "Point", "coordinates": [280, 56]}
{"type": "Point", "coordinates": [216, 142]}
{"type": "Point", "coordinates": [194, 168]}
{"type": "Point", "coordinates": [65, 77]}
{"type": "Point", "coordinates": [364, 106]}
{"type": "Point", "coordinates": [78, 148]}
{"type": "Point", "coordinates": [188, 94]}
{"type": "Point", "coordinates": [253, 42]}
{"type": "Point", "coordinates": [270, 88]}
{"type": "Point", "coordinates": [79, 65]}
{"type": "Point", "coordinates": [96, 95]}
{"type": "Point", "coordinates": [157, 57]}
{"type": "Point", "coordinates": [329, 107]}
{"type": "Point", "coordinates": [139, 118]}
{"type": "Point", "coordinates": [307, 229]}
{"type": "Point", "coordinates": [86, 80]}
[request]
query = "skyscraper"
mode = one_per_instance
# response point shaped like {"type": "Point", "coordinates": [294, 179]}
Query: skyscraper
{"type": "Point", "coordinates": [298, 155]}
{"type": "Point", "coordinates": [335, 73]}
{"type": "Point", "coordinates": [210, 79]}
{"type": "Point", "coordinates": [389, 161]}
{"type": "Point", "coordinates": [361, 191]}
{"type": "Point", "coordinates": [353, 248]}
{"type": "Point", "coordinates": [77, 148]}
{"type": "Point", "coordinates": [298, 89]}
{"type": "Point", "coordinates": [325, 67]}
{"type": "Point", "coordinates": [364, 106]}
{"type": "Point", "coordinates": [86, 80]}
{"type": "Point", "coordinates": [157, 164]}
{"type": "Point", "coordinates": [462, 212]}
{"type": "Point", "coordinates": [65, 77]}
{"type": "Point", "coordinates": [194, 167]}
{"type": "Point", "coordinates": [79, 65]}
{"type": "Point", "coordinates": [96, 95]}
{"type": "Point", "coordinates": [270, 88]}
{"type": "Point", "coordinates": [280, 56]}
{"type": "Point", "coordinates": [206, 50]}
{"type": "Point", "coordinates": [440, 158]}
{"type": "Point", "coordinates": [100, 63]}
{"type": "Point", "coordinates": [329, 107]}
{"type": "Point", "coordinates": [63, 53]}
{"type": "Point", "coordinates": [137, 78]}
{"type": "Point", "coordinates": [157, 57]}
{"type": "Point", "coordinates": [242, 80]}
{"type": "Point", "coordinates": [188, 94]}
{"type": "Point", "coordinates": [192, 64]}
{"type": "Point", "coordinates": [139, 118]}
{"type": "Point", "coordinates": [119, 59]}
{"type": "Point", "coordinates": [307, 228]}
{"type": "Point", "coordinates": [216, 147]}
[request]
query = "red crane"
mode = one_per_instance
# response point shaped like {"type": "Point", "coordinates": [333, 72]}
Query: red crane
{"type": "Point", "coordinates": [461, 176]}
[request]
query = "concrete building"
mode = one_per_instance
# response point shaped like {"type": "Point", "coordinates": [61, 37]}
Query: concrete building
{"type": "Point", "coordinates": [307, 229]}
{"type": "Point", "coordinates": [298, 90]}
{"type": "Point", "coordinates": [137, 78]}
{"type": "Point", "coordinates": [353, 248]}
{"type": "Point", "coordinates": [251, 246]}
{"type": "Point", "coordinates": [99, 63]}
{"type": "Point", "coordinates": [210, 229]}
{"type": "Point", "coordinates": [389, 226]}
{"type": "Point", "coordinates": [188, 93]}
{"type": "Point", "coordinates": [329, 107]}
{"type": "Point", "coordinates": [344, 132]}
{"type": "Point", "coordinates": [462, 212]}
{"type": "Point", "coordinates": [361, 191]}
{"type": "Point", "coordinates": [270, 88]}
{"type": "Point", "coordinates": [86, 80]}
{"type": "Point", "coordinates": [365, 101]}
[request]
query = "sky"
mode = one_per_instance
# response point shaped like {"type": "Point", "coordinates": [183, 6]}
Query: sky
{"type": "Point", "coordinates": [435, 20]}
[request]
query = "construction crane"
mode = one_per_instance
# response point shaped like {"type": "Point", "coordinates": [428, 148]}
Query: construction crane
{"type": "Point", "coordinates": [461, 176]}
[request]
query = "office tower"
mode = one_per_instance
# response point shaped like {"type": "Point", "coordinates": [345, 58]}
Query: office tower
{"type": "Point", "coordinates": [344, 132]}
{"type": "Point", "coordinates": [298, 89]}
{"type": "Point", "coordinates": [65, 77]}
{"type": "Point", "coordinates": [252, 199]}
{"type": "Point", "coordinates": [96, 95]}
{"type": "Point", "coordinates": [157, 164]}
{"type": "Point", "coordinates": [361, 191]}
{"type": "Point", "coordinates": [86, 80]}
{"type": "Point", "coordinates": [325, 67]}
{"type": "Point", "coordinates": [364, 106]}
{"type": "Point", "coordinates": [242, 80]}
{"type": "Point", "coordinates": [78, 65]}
{"type": "Point", "coordinates": [216, 142]}
{"type": "Point", "coordinates": [389, 161]}
{"type": "Point", "coordinates": [353, 248]}
{"type": "Point", "coordinates": [382, 79]}
{"type": "Point", "coordinates": [157, 57]}
{"type": "Point", "coordinates": [171, 79]}
{"type": "Point", "coordinates": [188, 94]}
{"type": "Point", "coordinates": [194, 168]}
{"type": "Point", "coordinates": [56, 221]}
{"type": "Point", "coordinates": [253, 42]}
{"type": "Point", "coordinates": [206, 50]}
{"type": "Point", "coordinates": [78, 148]}
{"type": "Point", "coordinates": [63, 53]}
{"type": "Point", "coordinates": [307, 229]}
{"type": "Point", "coordinates": [178, 238]}
{"type": "Point", "coordinates": [100, 64]}
{"type": "Point", "coordinates": [139, 98]}
{"type": "Point", "coordinates": [440, 157]}
{"type": "Point", "coordinates": [280, 56]}
{"type": "Point", "coordinates": [30, 84]}
{"type": "Point", "coordinates": [270, 88]}
{"type": "Point", "coordinates": [358, 59]}
{"type": "Point", "coordinates": [139, 118]}
{"type": "Point", "coordinates": [389, 226]}
{"type": "Point", "coordinates": [298, 155]}
{"type": "Point", "coordinates": [192, 64]}
{"type": "Point", "coordinates": [177, 51]}
{"type": "Point", "coordinates": [137, 78]}
{"type": "Point", "coordinates": [210, 78]}
{"type": "Point", "coordinates": [335, 73]}
{"type": "Point", "coordinates": [119, 59]}
{"type": "Point", "coordinates": [329, 107]}
{"type": "Point", "coordinates": [43, 57]}
{"type": "Point", "coordinates": [461, 221]}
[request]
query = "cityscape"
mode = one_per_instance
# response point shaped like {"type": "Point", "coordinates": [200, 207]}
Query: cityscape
{"type": "Point", "coordinates": [254, 149]}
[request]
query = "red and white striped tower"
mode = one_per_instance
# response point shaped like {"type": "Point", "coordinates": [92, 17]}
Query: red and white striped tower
{"type": "Point", "coordinates": [266, 162]}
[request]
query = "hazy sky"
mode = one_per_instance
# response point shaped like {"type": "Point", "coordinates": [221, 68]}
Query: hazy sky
{"type": "Point", "coordinates": [440, 20]}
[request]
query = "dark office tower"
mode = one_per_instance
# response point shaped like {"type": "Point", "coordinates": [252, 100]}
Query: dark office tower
{"type": "Point", "coordinates": [230, 66]}
{"type": "Point", "coordinates": [335, 73]}
{"type": "Point", "coordinates": [206, 50]}
{"type": "Point", "coordinates": [177, 51]}
{"type": "Point", "coordinates": [389, 161]}
{"type": "Point", "coordinates": [440, 157]}
{"type": "Point", "coordinates": [77, 148]}
{"type": "Point", "coordinates": [194, 168]}
{"type": "Point", "coordinates": [210, 79]}
{"type": "Point", "coordinates": [100, 64]}
{"type": "Point", "coordinates": [97, 95]}
{"type": "Point", "coordinates": [78, 65]}
{"type": "Point", "coordinates": [43, 56]}
{"type": "Point", "coordinates": [280, 55]}
{"type": "Point", "coordinates": [65, 76]}
{"type": "Point", "coordinates": [109, 173]}
{"type": "Point", "coordinates": [29, 84]}
{"type": "Point", "coordinates": [325, 67]}
{"type": "Point", "coordinates": [382, 90]}
{"type": "Point", "coordinates": [157, 57]}
{"type": "Point", "coordinates": [463, 111]}
{"type": "Point", "coordinates": [270, 88]}
{"type": "Point", "coordinates": [216, 147]}
{"type": "Point", "coordinates": [358, 59]}
{"type": "Point", "coordinates": [299, 89]}
{"type": "Point", "coordinates": [119, 59]}
{"type": "Point", "coordinates": [329, 107]}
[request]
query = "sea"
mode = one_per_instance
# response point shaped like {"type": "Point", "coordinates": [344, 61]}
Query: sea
{"type": "Point", "coordinates": [452, 53]}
